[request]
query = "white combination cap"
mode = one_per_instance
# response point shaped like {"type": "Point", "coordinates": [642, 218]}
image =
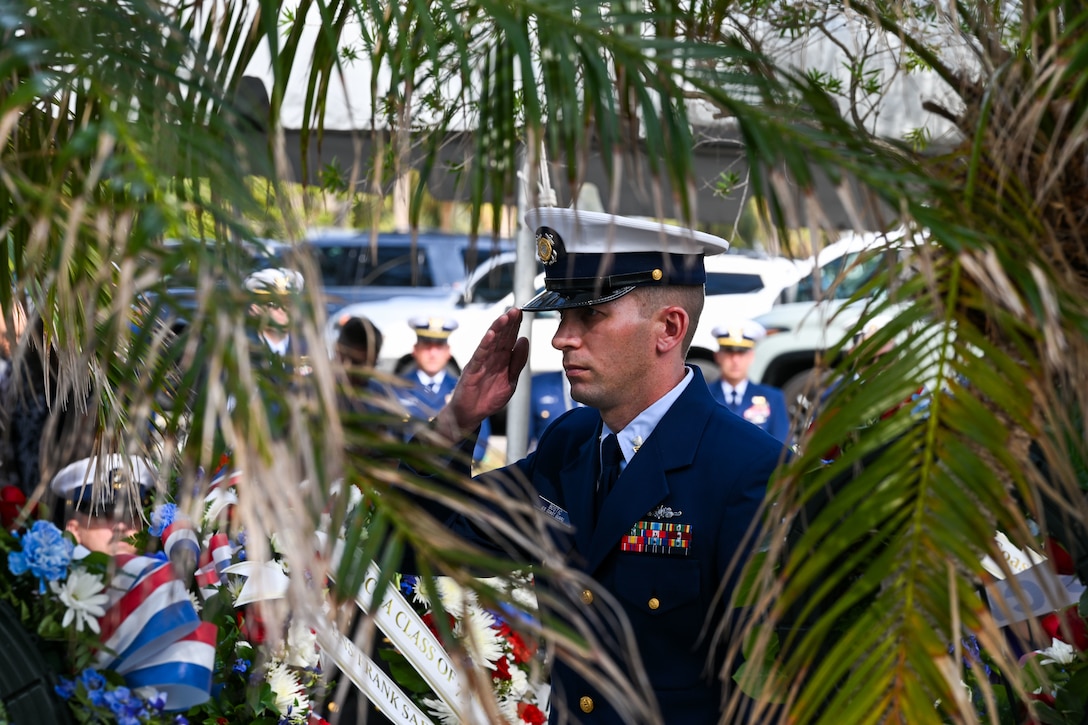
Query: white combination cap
{"type": "Point", "coordinates": [743, 334]}
{"type": "Point", "coordinates": [275, 280]}
{"type": "Point", "coordinates": [590, 257]}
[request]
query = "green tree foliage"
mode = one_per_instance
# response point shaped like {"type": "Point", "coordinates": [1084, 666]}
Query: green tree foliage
{"type": "Point", "coordinates": [119, 128]}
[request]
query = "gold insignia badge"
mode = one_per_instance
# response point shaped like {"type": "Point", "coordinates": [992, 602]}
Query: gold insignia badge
{"type": "Point", "coordinates": [545, 247]}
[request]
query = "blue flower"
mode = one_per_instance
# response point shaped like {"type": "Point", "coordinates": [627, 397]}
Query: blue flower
{"type": "Point", "coordinates": [65, 688]}
{"type": "Point", "coordinates": [127, 706]}
{"type": "Point", "coordinates": [157, 701]}
{"type": "Point", "coordinates": [92, 680]}
{"type": "Point", "coordinates": [408, 584]}
{"type": "Point", "coordinates": [241, 666]}
{"type": "Point", "coordinates": [161, 518]}
{"type": "Point", "coordinates": [97, 698]}
{"type": "Point", "coordinates": [181, 720]}
{"type": "Point", "coordinates": [46, 554]}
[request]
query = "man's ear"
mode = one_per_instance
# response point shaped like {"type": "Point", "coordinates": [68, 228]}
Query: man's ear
{"type": "Point", "coordinates": [675, 326]}
{"type": "Point", "coordinates": [72, 527]}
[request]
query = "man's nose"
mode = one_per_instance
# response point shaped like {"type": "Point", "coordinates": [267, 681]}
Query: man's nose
{"type": "Point", "coordinates": [565, 336]}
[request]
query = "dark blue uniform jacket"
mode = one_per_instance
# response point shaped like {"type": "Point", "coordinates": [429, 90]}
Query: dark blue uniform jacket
{"type": "Point", "coordinates": [702, 467]}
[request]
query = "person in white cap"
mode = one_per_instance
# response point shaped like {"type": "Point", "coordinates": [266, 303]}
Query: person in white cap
{"type": "Point", "coordinates": [652, 485]}
{"type": "Point", "coordinates": [761, 405]}
{"type": "Point", "coordinates": [101, 499]}
{"type": "Point", "coordinates": [273, 288]}
{"type": "Point", "coordinates": [431, 382]}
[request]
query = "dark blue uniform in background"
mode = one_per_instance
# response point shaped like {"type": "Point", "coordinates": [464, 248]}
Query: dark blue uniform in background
{"type": "Point", "coordinates": [422, 403]}
{"type": "Point", "coordinates": [761, 405]}
{"type": "Point", "coordinates": [549, 399]}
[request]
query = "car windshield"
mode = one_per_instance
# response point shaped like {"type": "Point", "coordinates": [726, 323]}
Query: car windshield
{"type": "Point", "coordinates": [840, 278]}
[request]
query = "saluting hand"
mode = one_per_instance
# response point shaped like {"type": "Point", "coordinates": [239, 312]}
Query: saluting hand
{"type": "Point", "coordinates": [489, 378]}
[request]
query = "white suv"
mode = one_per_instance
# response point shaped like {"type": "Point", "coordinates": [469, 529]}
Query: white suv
{"type": "Point", "coordinates": [813, 316]}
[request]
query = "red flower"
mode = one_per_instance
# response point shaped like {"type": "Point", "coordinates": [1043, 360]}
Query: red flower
{"type": "Point", "coordinates": [502, 669]}
{"type": "Point", "coordinates": [1063, 562]}
{"type": "Point", "coordinates": [1068, 626]}
{"type": "Point", "coordinates": [12, 501]}
{"type": "Point", "coordinates": [531, 714]}
{"type": "Point", "coordinates": [522, 651]}
{"type": "Point", "coordinates": [252, 626]}
{"type": "Point", "coordinates": [428, 619]}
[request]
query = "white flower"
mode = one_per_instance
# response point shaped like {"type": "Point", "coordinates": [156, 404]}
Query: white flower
{"type": "Point", "coordinates": [1057, 653]}
{"type": "Point", "coordinates": [481, 639]}
{"type": "Point", "coordinates": [508, 708]}
{"type": "Point", "coordinates": [82, 594]}
{"type": "Point", "coordinates": [420, 593]}
{"type": "Point", "coordinates": [291, 700]}
{"type": "Point", "coordinates": [301, 646]}
{"type": "Point", "coordinates": [524, 598]}
{"type": "Point", "coordinates": [519, 682]}
{"type": "Point", "coordinates": [442, 711]}
{"type": "Point", "coordinates": [195, 600]}
{"type": "Point", "coordinates": [455, 598]}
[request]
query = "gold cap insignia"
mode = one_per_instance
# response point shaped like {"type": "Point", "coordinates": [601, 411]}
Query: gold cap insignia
{"type": "Point", "coordinates": [545, 247]}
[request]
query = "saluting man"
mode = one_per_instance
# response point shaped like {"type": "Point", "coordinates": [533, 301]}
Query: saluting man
{"type": "Point", "coordinates": [652, 485]}
{"type": "Point", "coordinates": [762, 405]}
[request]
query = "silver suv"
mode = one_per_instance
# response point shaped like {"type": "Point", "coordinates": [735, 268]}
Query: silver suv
{"type": "Point", "coordinates": [430, 266]}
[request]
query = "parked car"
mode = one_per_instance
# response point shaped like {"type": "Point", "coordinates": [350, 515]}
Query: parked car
{"type": "Point", "coordinates": [812, 318]}
{"type": "Point", "coordinates": [432, 265]}
{"type": "Point", "coordinates": [739, 286]}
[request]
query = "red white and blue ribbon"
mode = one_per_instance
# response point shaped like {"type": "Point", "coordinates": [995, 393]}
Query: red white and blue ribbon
{"type": "Point", "coordinates": [179, 539]}
{"type": "Point", "coordinates": [182, 671]}
{"type": "Point", "coordinates": [214, 560]}
{"type": "Point", "coordinates": [148, 633]}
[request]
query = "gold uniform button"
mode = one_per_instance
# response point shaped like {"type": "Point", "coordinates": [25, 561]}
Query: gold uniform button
{"type": "Point", "coordinates": [545, 414]}
{"type": "Point", "coordinates": [587, 596]}
{"type": "Point", "coordinates": [586, 703]}
{"type": "Point", "coordinates": [654, 603]}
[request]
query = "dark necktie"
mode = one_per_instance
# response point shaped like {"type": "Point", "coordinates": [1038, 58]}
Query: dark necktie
{"type": "Point", "coordinates": [733, 399]}
{"type": "Point", "coordinates": [433, 387]}
{"type": "Point", "coordinates": [611, 458]}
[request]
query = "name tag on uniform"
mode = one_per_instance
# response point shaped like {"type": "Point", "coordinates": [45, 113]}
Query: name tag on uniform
{"type": "Point", "coordinates": [658, 537]}
{"type": "Point", "coordinates": [554, 510]}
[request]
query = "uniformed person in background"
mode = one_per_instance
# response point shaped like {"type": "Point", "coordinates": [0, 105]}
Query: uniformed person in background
{"type": "Point", "coordinates": [432, 382]}
{"type": "Point", "coordinates": [279, 358]}
{"type": "Point", "coordinates": [651, 452]}
{"type": "Point", "coordinates": [100, 500]}
{"type": "Point", "coordinates": [762, 405]}
{"type": "Point", "coordinates": [273, 289]}
{"type": "Point", "coordinates": [549, 399]}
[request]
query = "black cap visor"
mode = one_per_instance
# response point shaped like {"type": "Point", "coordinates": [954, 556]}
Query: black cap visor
{"type": "Point", "coordinates": [120, 505]}
{"type": "Point", "coordinates": [571, 298]}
